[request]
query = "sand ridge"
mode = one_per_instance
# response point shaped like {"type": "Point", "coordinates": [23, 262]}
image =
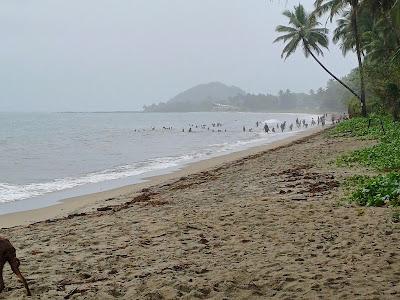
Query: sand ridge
{"type": "Point", "coordinates": [266, 226]}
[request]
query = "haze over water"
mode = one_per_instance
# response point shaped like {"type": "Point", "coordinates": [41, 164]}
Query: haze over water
{"type": "Point", "coordinates": [43, 153]}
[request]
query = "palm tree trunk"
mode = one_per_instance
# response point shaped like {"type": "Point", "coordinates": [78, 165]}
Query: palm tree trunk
{"type": "Point", "coordinates": [392, 20]}
{"type": "Point", "coordinates": [395, 112]}
{"type": "Point", "coordinates": [396, 31]}
{"type": "Point", "coordinates": [330, 73]}
{"type": "Point", "coordinates": [354, 5]}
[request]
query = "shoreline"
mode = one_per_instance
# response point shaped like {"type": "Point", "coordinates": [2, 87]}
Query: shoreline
{"type": "Point", "coordinates": [89, 202]}
{"type": "Point", "coordinates": [267, 225]}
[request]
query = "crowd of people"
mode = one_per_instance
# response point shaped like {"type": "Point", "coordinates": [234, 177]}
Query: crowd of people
{"type": "Point", "coordinates": [321, 120]}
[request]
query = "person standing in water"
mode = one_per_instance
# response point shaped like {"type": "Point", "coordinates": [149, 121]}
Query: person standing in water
{"type": "Point", "coordinates": [283, 126]}
{"type": "Point", "coordinates": [323, 121]}
{"type": "Point", "coordinates": [266, 128]}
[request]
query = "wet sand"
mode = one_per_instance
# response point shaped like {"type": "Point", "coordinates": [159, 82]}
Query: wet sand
{"type": "Point", "coordinates": [269, 225]}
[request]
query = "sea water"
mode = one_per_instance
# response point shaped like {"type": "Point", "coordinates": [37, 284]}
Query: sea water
{"type": "Point", "coordinates": [45, 157]}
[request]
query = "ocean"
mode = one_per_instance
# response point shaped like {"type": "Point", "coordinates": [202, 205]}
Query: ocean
{"type": "Point", "coordinates": [46, 157]}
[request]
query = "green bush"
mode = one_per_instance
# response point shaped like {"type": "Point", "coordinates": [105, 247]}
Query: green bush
{"type": "Point", "coordinates": [385, 156]}
{"type": "Point", "coordinates": [378, 191]}
{"type": "Point", "coordinates": [358, 127]}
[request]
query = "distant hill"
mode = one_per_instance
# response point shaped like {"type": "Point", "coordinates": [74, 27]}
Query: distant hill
{"type": "Point", "coordinates": [203, 97]}
{"type": "Point", "coordinates": [216, 96]}
{"type": "Point", "coordinates": [216, 91]}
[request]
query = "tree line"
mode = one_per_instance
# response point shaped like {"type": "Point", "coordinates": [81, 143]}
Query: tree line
{"type": "Point", "coordinates": [332, 98]}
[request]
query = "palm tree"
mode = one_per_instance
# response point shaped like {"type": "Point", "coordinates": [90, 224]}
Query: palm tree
{"type": "Point", "coordinates": [379, 42]}
{"type": "Point", "coordinates": [377, 36]}
{"type": "Point", "coordinates": [336, 7]}
{"type": "Point", "coordinates": [304, 32]}
{"type": "Point", "coordinates": [344, 34]}
{"type": "Point", "coordinates": [385, 10]}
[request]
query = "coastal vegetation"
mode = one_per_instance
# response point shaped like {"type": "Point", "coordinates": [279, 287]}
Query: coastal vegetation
{"type": "Point", "coordinates": [384, 157]}
{"type": "Point", "coordinates": [378, 191]}
{"type": "Point", "coordinates": [371, 30]}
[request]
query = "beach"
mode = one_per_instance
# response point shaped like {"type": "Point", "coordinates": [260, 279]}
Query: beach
{"type": "Point", "coordinates": [90, 202]}
{"type": "Point", "coordinates": [48, 157]}
{"type": "Point", "coordinates": [268, 222]}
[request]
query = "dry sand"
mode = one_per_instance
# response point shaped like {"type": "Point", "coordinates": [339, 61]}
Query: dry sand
{"type": "Point", "coordinates": [270, 225]}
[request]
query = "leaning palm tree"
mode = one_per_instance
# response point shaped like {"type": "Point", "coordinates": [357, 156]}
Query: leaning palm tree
{"type": "Point", "coordinates": [305, 33]}
{"type": "Point", "coordinates": [334, 8]}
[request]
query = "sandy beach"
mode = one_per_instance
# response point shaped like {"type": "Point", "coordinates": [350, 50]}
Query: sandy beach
{"type": "Point", "coordinates": [263, 224]}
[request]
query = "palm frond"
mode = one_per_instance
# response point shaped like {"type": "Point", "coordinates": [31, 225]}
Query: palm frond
{"type": "Point", "coordinates": [281, 28]}
{"type": "Point", "coordinates": [290, 48]}
{"type": "Point", "coordinates": [284, 37]}
{"type": "Point", "coordinates": [303, 30]}
{"type": "Point", "coordinates": [396, 56]}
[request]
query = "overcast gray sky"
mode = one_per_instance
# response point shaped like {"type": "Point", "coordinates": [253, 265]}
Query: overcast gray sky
{"type": "Point", "coordinates": [86, 55]}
